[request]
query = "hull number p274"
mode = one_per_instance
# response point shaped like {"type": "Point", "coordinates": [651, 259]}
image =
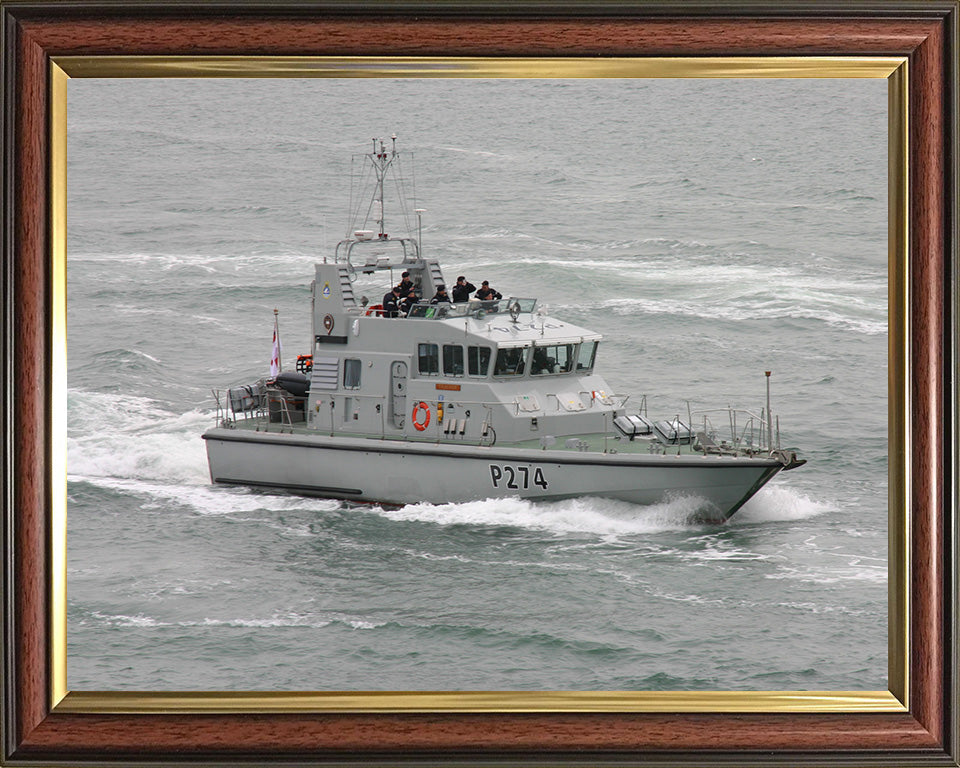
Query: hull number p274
{"type": "Point", "coordinates": [518, 478]}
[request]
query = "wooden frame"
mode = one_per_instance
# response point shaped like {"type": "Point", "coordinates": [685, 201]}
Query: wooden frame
{"type": "Point", "coordinates": [35, 731]}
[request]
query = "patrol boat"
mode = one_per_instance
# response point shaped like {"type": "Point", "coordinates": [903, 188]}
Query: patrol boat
{"type": "Point", "coordinates": [456, 402]}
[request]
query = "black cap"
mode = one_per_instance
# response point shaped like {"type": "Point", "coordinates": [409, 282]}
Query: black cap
{"type": "Point", "coordinates": [396, 289]}
{"type": "Point", "coordinates": [461, 278]}
{"type": "Point", "coordinates": [485, 282]}
{"type": "Point", "coordinates": [405, 274]}
{"type": "Point", "coordinates": [441, 287]}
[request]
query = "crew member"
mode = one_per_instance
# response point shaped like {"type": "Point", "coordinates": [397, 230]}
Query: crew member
{"type": "Point", "coordinates": [486, 293]}
{"type": "Point", "coordinates": [407, 304]}
{"type": "Point", "coordinates": [462, 290]}
{"type": "Point", "coordinates": [390, 307]}
{"type": "Point", "coordinates": [441, 295]}
{"type": "Point", "coordinates": [406, 284]}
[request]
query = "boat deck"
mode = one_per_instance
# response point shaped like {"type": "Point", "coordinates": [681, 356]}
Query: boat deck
{"type": "Point", "coordinates": [584, 443]}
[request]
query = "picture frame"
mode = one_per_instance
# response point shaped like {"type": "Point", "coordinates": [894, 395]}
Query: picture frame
{"type": "Point", "coordinates": [915, 721]}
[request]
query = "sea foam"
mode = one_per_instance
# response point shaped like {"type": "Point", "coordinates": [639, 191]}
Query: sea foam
{"type": "Point", "coordinates": [781, 503]}
{"type": "Point", "coordinates": [122, 436]}
{"type": "Point", "coordinates": [585, 515]}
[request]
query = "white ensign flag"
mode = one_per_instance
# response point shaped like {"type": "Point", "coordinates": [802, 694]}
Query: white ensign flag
{"type": "Point", "coordinates": [275, 358]}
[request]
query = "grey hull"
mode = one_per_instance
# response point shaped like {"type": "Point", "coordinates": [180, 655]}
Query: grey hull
{"type": "Point", "coordinates": [395, 472]}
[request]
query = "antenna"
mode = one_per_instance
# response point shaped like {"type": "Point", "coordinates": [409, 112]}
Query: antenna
{"type": "Point", "coordinates": [368, 220]}
{"type": "Point", "coordinates": [769, 416]}
{"type": "Point", "coordinates": [382, 170]}
{"type": "Point", "coordinates": [420, 212]}
{"type": "Point", "coordinates": [381, 162]}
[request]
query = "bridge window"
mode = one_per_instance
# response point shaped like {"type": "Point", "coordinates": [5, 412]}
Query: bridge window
{"type": "Point", "coordinates": [478, 360]}
{"type": "Point", "coordinates": [428, 359]}
{"type": "Point", "coordinates": [557, 358]}
{"type": "Point", "coordinates": [510, 362]}
{"type": "Point", "coordinates": [587, 356]}
{"type": "Point", "coordinates": [351, 373]}
{"type": "Point", "coordinates": [452, 360]}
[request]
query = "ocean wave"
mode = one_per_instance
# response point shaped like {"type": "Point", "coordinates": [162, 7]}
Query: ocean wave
{"type": "Point", "coordinates": [469, 151]}
{"type": "Point", "coordinates": [203, 498]}
{"type": "Point", "coordinates": [153, 313]}
{"type": "Point", "coordinates": [526, 641]}
{"type": "Point", "coordinates": [755, 310]}
{"type": "Point", "coordinates": [825, 574]}
{"type": "Point", "coordinates": [582, 515]}
{"type": "Point", "coordinates": [817, 609]}
{"type": "Point", "coordinates": [287, 260]}
{"type": "Point", "coordinates": [852, 195]}
{"type": "Point", "coordinates": [234, 210]}
{"type": "Point", "coordinates": [121, 361]}
{"type": "Point", "coordinates": [603, 517]}
{"type": "Point", "coordinates": [780, 503]}
{"type": "Point", "coordinates": [142, 138]}
{"type": "Point", "coordinates": [716, 288]}
{"type": "Point", "coordinates": [126, 436]}
{"type": "Point", "coordinates": [90, 413]}
{"type": "Point", "coordinates": [276, 620]}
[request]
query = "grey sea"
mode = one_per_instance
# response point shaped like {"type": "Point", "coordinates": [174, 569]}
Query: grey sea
{"type": "Point", "coordinates": [711, 230]}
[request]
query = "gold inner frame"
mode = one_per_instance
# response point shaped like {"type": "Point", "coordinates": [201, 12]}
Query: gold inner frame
{"type": "Point", "coordinates": [893, 69]}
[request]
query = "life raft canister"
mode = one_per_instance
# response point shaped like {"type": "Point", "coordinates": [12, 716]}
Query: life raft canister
{"type": "Point", "coordinates": [421, 406]}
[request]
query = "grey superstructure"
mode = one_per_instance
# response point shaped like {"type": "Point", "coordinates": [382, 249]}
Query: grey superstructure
{"type": "Point", "coordinates": [465, 401]}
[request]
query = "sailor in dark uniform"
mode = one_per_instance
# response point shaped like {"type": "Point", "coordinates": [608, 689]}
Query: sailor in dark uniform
{"type": "Point", "coordinates": [406, 284]}
{"type": "Point", "coordinates": [486, 293]}
{"type": "Point", "coordinates": [390, 307]}
{"type": "Point", "coordinates": [441, 295]}
{"type": "Point", "coordinates": [462, 290]}
{"type": "Point", "coordinates": [407, 304]}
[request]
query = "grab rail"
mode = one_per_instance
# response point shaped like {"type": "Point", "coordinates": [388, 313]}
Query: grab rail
{"type": "Point", "coordinates": [750, 436]}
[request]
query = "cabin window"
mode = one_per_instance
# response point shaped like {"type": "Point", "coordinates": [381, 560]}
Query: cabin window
{"type": "Point", "coordinates": [351, 373]}
{"type": "Point", "coordinates": [557, 358]}
{"type": "Point", "coordinates": [428, 359]}
{"type": "Point", "coordinates": [478, 360]}
{"type": "Point", "coordinates": [452, 360]}
{"type": "Point", "coordinates": [587, 355]}
{"type": "Point", "coordinates": [510, 362]}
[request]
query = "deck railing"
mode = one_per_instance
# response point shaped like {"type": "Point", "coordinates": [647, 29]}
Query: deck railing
{"type": "Point", "coordinates": [748, 431]}
{"type": "Point", "coordinates": [272, 408]}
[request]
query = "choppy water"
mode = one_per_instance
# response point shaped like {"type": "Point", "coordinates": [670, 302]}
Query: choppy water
{"type": "Point", "coordinates": [710, 230]}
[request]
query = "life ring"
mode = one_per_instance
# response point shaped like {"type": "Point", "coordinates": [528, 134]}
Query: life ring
{"type": "Point", "coordinates": [416, 415]}
{"type": "Point", "coordinates": [374, 309]}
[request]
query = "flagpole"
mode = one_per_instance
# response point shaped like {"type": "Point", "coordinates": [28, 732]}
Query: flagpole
{"type": "Point", "coordinates": [276, 330]}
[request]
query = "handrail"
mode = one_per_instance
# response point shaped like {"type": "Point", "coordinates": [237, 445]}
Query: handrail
{"type": "Point", "coordinates": [261, 413]}
{"type": "Point", "coordinates": [490, 404]}
{"type": "Point", "coordinates": [747, 429]}
{"type": "Point", "coordinates": [755, 424]}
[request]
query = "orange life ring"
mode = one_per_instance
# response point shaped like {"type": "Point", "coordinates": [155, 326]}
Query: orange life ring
{"type": "Point", "coordinates": [416, 414]}
{"type": "Point", "coordinates": [374, 309]}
